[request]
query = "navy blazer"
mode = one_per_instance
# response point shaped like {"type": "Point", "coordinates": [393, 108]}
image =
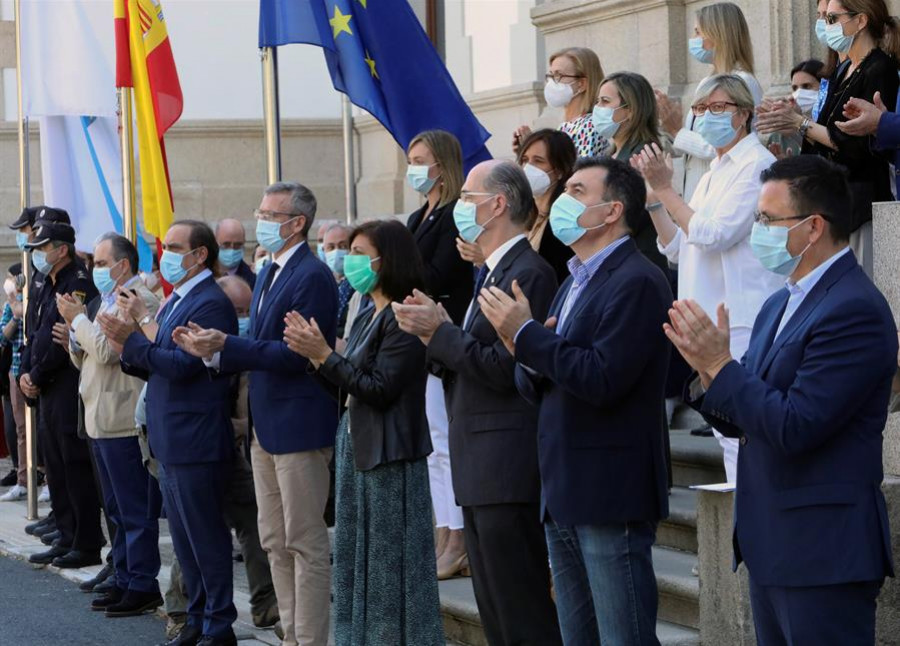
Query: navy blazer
{"type": "Point", "coordinates": [810, 408]}
{"type": "Point", "coordinates": [601, 394]}
{"type": "Point", "coordinates": [244, 271]}
{"type": "Point", "coordinates": [188, 407]}
{"type": "Point", "coordinates": [290, 410]}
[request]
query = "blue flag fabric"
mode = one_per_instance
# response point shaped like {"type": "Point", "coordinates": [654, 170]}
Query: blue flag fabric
{"type": "Point", "coordinates": [379, 55]}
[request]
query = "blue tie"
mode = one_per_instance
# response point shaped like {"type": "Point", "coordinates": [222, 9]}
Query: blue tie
{"type": "Point", "coordinates": [167, 310]}
{"type": "Point", "coordinates": [480, 278]}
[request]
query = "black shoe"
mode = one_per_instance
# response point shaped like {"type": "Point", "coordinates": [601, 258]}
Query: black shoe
{"type": "Point", "coordinates": [189, 636]}
{"type": "Point", "coordinates": [112, 597]}
{"type": "Point", "coordinates": [40, 524]}
{"type": "Point", "coordinates": [49, 537]}
{"type": "Point", "coordinates": [105, 587]}
{"type": "Point", "coordinates": [45, 558]}
{"type": "Point", "coordinates": [102, 575]}
{"type": "Point", "coordinates": [9, 479]}
{"type": "Point", "coordinates": [267, 618]}
{"type": "Point", "coordinates": [135, 603]}
{"type": "Point", "coordinates": [77, 559]}
{"type": "Point", "coordinates": [46, 528]}
{"type": "Point", "coordinates": [224, 640]}
{"type": "Point", "coordinates": [702, 431]}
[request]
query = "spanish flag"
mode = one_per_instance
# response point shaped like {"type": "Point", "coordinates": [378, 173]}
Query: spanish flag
{"type": "Point", "coordinates": [144, 61]}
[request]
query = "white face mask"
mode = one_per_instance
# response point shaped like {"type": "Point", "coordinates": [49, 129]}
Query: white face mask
{"type": "Point", "coordinates": [558, 95]}
{"type": "Point", "coordinates": [538, 179]}
{"type": "Point", "coordinates": [806, 99]}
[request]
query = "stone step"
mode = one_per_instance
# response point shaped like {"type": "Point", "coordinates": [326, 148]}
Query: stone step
{"type": "Point", "coordinates": [695, 460]}
{"type": "Point", "coordinates": [679, 530]}
{"type": "Point", "coordinates": [679, 593]}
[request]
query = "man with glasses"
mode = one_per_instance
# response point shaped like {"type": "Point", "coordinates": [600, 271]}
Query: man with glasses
{"type": "Point", "coordinates": [231, 238]}
{"type": "Point", "coordinates": [808, 402]}
{"type": "Point", "coordinates": [294, 418]}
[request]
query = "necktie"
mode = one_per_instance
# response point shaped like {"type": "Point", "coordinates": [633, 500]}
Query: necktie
{"type": "Point", "coordinates": [170, 306]}
{"type": "Point", "coordinates": [267, 283]}
{"type": "Point", "coordinates": [480, 278]}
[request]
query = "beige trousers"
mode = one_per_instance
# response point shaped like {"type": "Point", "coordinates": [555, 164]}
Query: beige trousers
{"type": "Point", "coordinates": [17, 400]}
{"type": "Point", "coordinates": [291, 493]}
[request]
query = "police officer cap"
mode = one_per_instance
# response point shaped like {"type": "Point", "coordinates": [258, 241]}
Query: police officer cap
{"type": "Point", "coordinates": [48, 214]}
{"type": "Point", "coordinates": [15, 269]}
{"type": "Point", "coordinates": [27, 217]}
{"type": "Point", "coordinates": [48, 231]}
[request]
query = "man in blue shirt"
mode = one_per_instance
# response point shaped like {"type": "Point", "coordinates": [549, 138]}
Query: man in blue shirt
{"type": "Point", "coordinates": [808, 402]}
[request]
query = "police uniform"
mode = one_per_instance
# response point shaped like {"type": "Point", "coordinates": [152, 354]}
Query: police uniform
{"type": "Point", "coordinates": [73, 494]}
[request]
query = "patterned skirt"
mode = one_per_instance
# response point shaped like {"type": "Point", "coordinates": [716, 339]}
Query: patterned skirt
{"type": "Point", "coordinates": [384, 574]}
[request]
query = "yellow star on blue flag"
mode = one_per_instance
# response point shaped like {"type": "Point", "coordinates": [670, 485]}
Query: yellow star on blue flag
{"type": "Point", "coordinates": [340, 22]}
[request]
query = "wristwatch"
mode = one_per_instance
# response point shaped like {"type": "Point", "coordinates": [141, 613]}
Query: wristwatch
{"type": "Point", "coordinates": [147, 318]}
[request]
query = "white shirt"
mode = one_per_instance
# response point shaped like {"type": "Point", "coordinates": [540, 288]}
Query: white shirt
{"type": "Point", "coordinates": [698, 153]}
{"type": "Point", "coordinates": [492, 261]}
{"type": "Point", "coordinates": [801, 289]}
{"type": "Point", "coordinates": [715, 261]}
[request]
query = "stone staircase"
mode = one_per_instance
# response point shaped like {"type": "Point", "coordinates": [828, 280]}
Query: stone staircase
{"type": "Point", "coordinates": [694, 461]}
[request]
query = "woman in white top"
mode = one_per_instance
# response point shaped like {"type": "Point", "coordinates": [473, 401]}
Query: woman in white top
{"type": "Point", "coordinates": [722, 39]}
{"type": "Point", "coordinates": [573, 79]}
{"type": "Point", "coordinates": [709, 237]}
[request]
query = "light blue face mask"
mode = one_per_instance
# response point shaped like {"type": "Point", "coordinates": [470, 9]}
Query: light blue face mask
{"type": "Point", "coordinates": [564, 216]}
{"type": "Point", "coordinates": [836, 40]}
{"type": "Point", "coordinates": [268, 234]}
{"type": "Point", "coordinates": [260, 263]}
{"type": "Point", "coordinates": [335, 260]}
{"type": "Point", "coordinates": [39, 258]}
{"type": "Point", "coordinates": [465, 217]}
{"type": "Point", "coordinates": [695, 47]}
{"type": "Point", "coordinates": [320, 251]}
{"type": "Point", "coordinates": [417, 177]}
{"type": "Point", "coordinates": [103, 281]}
{"type": "Point", "coordinates": [21, 240]}
{"type": "Point", "coordinates": [603, 121]}
{"type": "Point", "coordinates": [820, 31]}
{"type": "Point", "coordinates": [769, 245]}
{"type": "Point", "coordinates": [170, 267]}
{"type": "Point", "coordinates": [716, 129]}
{"type": "Point", "coordinates": [231, 258]}
{"type": "Point", "coordinates": [244, 326]}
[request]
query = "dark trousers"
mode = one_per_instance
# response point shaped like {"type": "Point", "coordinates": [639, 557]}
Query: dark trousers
{"type": "Point", "coordinates": [508, 556]}
{"type": "Point", "coordinates": [73, 492]}
{"type": "Point", "coordinates": [131, 507]}
{"type": "Point", "coordinates": [9, 432]}
{"type": "Point", "coordinates": [241, 514]}
{"type": "Point", "coordinates": [194, 500]}
{"type": "Point", "coordinates": [831, 615]}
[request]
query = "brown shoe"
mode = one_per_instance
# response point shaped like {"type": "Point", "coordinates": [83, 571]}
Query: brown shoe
{"type": "Point", "coordinates": [454, 568]}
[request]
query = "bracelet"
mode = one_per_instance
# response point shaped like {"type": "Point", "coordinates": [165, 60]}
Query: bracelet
{"type": "Point", "coordinates": [804, 128]}
{"type": "Point", "coordinates": [147, 318]}
{"type": "Point", "coordinates": [655, 206]}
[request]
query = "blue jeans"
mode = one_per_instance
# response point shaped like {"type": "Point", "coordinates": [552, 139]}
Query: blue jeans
{"type": "Point", "coordinates": [605, 584]}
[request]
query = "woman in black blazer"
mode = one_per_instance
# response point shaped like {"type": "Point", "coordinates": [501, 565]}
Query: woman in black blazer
{"type": "Point", "coordinates": [385, 588]}
{"type": "Point", "coordinates": [436, 171]}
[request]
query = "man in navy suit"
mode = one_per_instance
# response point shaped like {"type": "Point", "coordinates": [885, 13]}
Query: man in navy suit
{"type": "Point", "coordinates": [597, 368]}
{"type": "Point", "coordinates": [294, 419]}
{"type": "Point", "coordinates": [231, 238]}
{"type": "Point", "coordinates": [808, 402]}
{"type": "Point", "coordinates": [189, 428]}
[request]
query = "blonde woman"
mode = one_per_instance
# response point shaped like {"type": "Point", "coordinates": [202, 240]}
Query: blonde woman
{"type": "Point", "coordinates": [435, 170]}
{"type": "Point", "coordinates": [722, 40]}
{"type": "Point", "coordinates": [573, 79]}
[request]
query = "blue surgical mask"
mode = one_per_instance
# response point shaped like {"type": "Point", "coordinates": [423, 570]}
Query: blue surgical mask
{"type": "Point", "coordinates": [39, 258]}
{"type": "Point", "coordinates": [695, 47]}
{"type": "Point", "coordinates": [320, 252]}
{"type": "Point", "coordinates": [604, 124]}
{"type": "Point", "coordinates": [231, 258]}
{"type": "Point", "coordinates": [335, 260]}
{"type": "Point", "coordinates": [268, 234]}
{"type": "Point", "coordinates": [244, 326]}
{"type": "Point", "coordinates": [359, 272]}
{"type": "Point", "coordinates": [820, 31]}
{"type": "Point", "coordinates": [21, 240]}
{"type": "Point", "coordinates": [260, 263]}
{"type": "Point", "coordinates": [465, 217]}
{"type": "Point", "coordinates": [103, 280]}
{"type": "Point", "coordinates": [564, 216]}
{"type": "Point", "coordinates": [836, 40]}
{"type": "Point", "coordinates": [716, 129]}
{"type": "Point", "coordinates": [170, 267]}
{"type": "Point", "coordinates": [417, 177]}
{"type": "Point", "coordinates": [769, 245]}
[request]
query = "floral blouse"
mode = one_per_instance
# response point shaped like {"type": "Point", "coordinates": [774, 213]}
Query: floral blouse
{"type": "Point", "coordinates": [587, 142]}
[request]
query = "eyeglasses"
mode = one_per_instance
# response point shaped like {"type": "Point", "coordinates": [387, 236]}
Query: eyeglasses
{"type": "Point", "coordinates": [466, 196]}
{"type": "Point", "coordinates": [716, 107]}
{"type": "Point", "coordinates": [832, 18]}
{"type": "Point", "coordinates": [559, 76]}
{"type": "Point", "coordinates": [766, 219]}
{"type": "Point", "coordinates": [271, 215]}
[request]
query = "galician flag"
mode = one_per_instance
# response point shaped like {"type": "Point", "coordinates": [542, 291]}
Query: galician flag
{"type": "Point", "coordinates": [144, 61]}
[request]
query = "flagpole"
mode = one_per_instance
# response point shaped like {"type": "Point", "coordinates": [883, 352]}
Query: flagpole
{"type": "Point", "coordinates": [349, 169]}
{"type": "Point", "coordinates": [271, 117]}
{"type": "Point", "coordinates": [24, 198]}
{"type": "Point", "coordinates": [126, 144]}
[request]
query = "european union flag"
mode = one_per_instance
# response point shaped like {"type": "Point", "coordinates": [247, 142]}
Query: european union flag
{"type": "Point", "coordinates": [379, 55]}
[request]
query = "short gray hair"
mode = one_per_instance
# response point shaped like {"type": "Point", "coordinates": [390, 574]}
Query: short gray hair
{"type": "Point", "coordinates": [338, 225]}
{"type": "Point", "coordinates": [509, 180]}
{"type": "Point", "coordinates": [303, 202]}
{"type": "Point", "coordinates": [734, 86]}
{"type": "Point", "coordinates": [122, 249]}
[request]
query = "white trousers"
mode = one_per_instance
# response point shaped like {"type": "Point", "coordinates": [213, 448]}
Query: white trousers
{"type": "Point", "coordinates": [446, 511]}
{"type": "Point", "coordinates": [740, 341]}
